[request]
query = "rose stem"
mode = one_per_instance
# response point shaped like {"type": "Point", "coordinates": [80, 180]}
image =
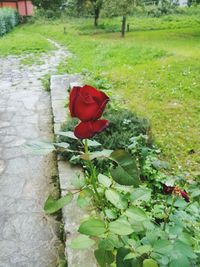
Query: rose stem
{"type": "Point", "coordinates": [92, 171]}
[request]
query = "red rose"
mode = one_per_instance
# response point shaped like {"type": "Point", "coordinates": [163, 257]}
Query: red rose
{"type": "Point", "coordinates": [88, 129]}
{"type": "Point", "coordinates": [87, 103]}
{"type": "Point", "coordinates": [177, 191]}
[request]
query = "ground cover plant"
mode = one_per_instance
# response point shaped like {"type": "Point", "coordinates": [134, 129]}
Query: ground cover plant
{"type": "Point", "coordinates": [9, 18]}
{"type": "Point", "coordinates": [141, 214]}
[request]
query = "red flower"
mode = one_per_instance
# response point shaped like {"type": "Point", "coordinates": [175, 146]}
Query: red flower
{"type": "Point", "coordinates": [177, 191]}
{"type": "Point", "coordinates": [88, 129]}
{"type": "Point", "coordinates": [87, 103]}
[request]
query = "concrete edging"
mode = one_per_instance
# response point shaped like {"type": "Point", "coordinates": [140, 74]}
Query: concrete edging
{"type": "Point", "coordinates": [71, 213]}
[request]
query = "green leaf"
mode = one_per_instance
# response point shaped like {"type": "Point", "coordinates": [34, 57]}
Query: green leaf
{"type": "Point", "coordinates": [116, 199]}
{"type": "Point", "coordinates": [52, 205]}
{"type": "Point", "coordinates": [68, 134]}
{"type": "Point", "coordinates": [141, 194]}
{"type": "Point", "coordinates": [150, 263]}
{"type": "Point", "coordinates": [104, 180]}
{"type": "Point", "coordinates": [111, 242]}
{"type": "Point", "coordinates": [163, 246]}
{"type": "Point", "coordinates": [184, 249]}
{"type": "Point", "coordinates": [121, 226]}
{"type": "Point", "coordinates": [120, 262]}
{"type": "Point", "coordinates": [144, 249]}
{"type": "Point", "coordinates": [82, 242]}
{"type": "Point", "coordinates": [158, 164]}
{"type": "Point", "coordinates": [195, 192]}
{"type": "Point", "coordinates": [104, 257]}
{"type": "Point", "coordinates": [93, 227]}
{"type": "Point", "coordinates": [40, 148]}
{"type": "Point", "coordinates": [93, 143]}
{"type": "Point", "coordinates": [78, 181]}
{"type": "Point", "coordinates": [84, 199]}
{"type": "Point", "coordinates": [61, 145]}
{"type": "Point", "coordinates": [130, 255]}
{"type": "Point", "coordinates": [180, 261]}
{"type": "Point", "coordinates": [105, 153]}
{"type": "Point", "coordinates": [126, 173]}
{"type": "Point", "coordinates": [121, 254]}
{"type": "Point", "coordinates": [135, 214]}
{"type": "Point", "coordinates": [186, 238]}
{"type": "Point", "coordinates": [111, 214]}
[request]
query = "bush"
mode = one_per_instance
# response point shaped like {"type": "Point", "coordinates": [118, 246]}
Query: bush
{"type": "Point", "coordinates": [9, 18]}
{"type": "Point", "coordinates": [124, 125]}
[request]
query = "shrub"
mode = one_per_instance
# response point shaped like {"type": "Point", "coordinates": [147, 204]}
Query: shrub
{"type": "Point", "coordinates": [9, 18]}
{"type": "Point", "coordinates": [124, 124]}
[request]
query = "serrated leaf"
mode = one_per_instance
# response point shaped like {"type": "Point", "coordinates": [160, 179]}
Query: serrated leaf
{"type": "Point", "coordinates": [195, 192]}
{"type": "Point", "coordinates": [92, 227]}
{"type": "Point", "coordinates": [68, 134]}
{"type": "Point", "coordinates": [184, 249]}
{"type": "Point", "coordinates": [150, 263]}
{"type": "Point", "coordinates": [130, 255]}
{"type": "Point", "coordinates": [40, 147]}
{"type": "Point", "coordinates": [112, 241]}
{"type": "Point", "coordinates": [158, 164]}
{"type": "Point", "coordinates": [52, 205]}
{"type": "Point", "coordinates": [78, 181]}
{"type": "Point", "coordinates": [135, 214]}
{"type": "Point", "coordinates": [111, 214]}
{"type": "Point", "coordinates": [163, 246]}
{"type": "Point", "coordinates": [116, 199]}
{"type": "Point", "coordinates": [144, 249]}
{"type": "Point", "coordinates": [180, 261]}
{"type": "Point", "coordinates": [104, 257]}
{"type": "Point", "coordinates": [104, 180]}
{"type": "Point", "coordinates": [82, 242]}
{"type": "Point", "coordinates": [126, 173]}
{"type": "Point", "coordinates": [100, 154]}
{"type": "Point", "coordinates": [61, 145]}
{"type": "Point", "coordinates": [121, 254]}
{"type": "Point", "coordinates": [93, 143]}
{"type": "Point", "coordinates": [84, 199]}
{"type": "Point", "coordinates": [141, 194]}
{"type": "Point", "coordinates": [121, 227]}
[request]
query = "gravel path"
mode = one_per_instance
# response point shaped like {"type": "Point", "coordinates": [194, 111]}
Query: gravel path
{"type": "Point", "coordinates": [28, 238]}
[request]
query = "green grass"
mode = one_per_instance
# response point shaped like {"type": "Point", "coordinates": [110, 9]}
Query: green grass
{"type": "Point", "coordinates": [23, 39]}
{"type": "Point", "coordinates": [155, 70]}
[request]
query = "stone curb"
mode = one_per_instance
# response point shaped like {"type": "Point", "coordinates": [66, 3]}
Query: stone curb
{"type": "Point", "coordinates": [72, 215]}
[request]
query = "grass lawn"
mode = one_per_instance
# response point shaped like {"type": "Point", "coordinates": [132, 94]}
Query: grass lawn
{"type": "Point", "coordinates": [155, 70]}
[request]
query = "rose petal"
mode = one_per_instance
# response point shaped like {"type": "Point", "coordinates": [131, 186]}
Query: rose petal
{"type": "Point", "coordinates": [88, 129]}
{"type": "Point", "coordinates": [72, 99]}
{"type": "Point", "coordinates": [185, 196]}
{"type": "Point", "coordinates": [100, 125]}
{"type": "Point", "coordinates": [87, 103]}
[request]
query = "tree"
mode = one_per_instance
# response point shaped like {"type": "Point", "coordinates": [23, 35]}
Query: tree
{"type": "Point", "coordinates": [48, 4]}
{"type": "Point", "coordinates": [96, 7]}
{"type": "Point", "coordinates": [122, 8]}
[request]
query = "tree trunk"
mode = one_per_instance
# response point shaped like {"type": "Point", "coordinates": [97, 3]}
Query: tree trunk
{"type": "Point", "coordinates": [96, 16]}
{"type": "Point", "coordinates": [123, 26]}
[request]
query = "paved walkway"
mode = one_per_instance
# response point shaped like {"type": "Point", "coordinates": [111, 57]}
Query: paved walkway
{"type": "Point", "coordinates": [27, 236]}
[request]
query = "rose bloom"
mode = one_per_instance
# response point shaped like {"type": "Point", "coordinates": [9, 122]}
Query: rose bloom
{"type": "Point", "coordinates": [88, 129]}
{"type": "Point", "coordinates": [87, 103]}
{"type": "Point", "coordinates": [176, 191]}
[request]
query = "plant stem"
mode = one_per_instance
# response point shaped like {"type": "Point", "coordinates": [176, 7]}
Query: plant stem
{"type": "Point", "coordinates": [92, 172]}
{"type": "Point", "coordinates": [169, 213]}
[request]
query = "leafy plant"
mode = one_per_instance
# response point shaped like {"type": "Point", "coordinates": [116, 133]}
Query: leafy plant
{"type": "Point", "coordinates": [9, 18]}
{"type": "Point", "coordinates": [134, 224]}
{"type": "Point", "coordinates": [141, 215]}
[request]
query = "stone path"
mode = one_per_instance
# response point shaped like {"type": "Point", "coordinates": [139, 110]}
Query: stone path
{"type": "Point", "coordinates": [28, 238]}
